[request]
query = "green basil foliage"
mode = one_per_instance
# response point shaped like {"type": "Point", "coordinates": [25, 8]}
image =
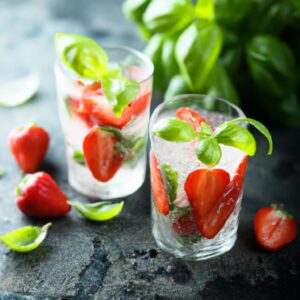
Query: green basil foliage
{"type": "Point", "coordinates": [170, 177]}
{"type": "Point", "coordinates": [208, 149]}
{"type": "Point", "coordinates": [25, 239]}
{"type": "Point", "coordinates": [234, 49]}
{"type": "Point", "coordinates": [85, 57]}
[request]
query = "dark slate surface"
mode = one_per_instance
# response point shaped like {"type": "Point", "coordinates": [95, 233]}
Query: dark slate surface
{"type": "Point", "coordinates": [119, 259]}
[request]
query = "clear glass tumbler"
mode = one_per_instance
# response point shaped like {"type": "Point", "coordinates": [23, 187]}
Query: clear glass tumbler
{"type": "Point", "coordinates": [82, 106]}
{"type": "Point", "coordinates": [176, 227]}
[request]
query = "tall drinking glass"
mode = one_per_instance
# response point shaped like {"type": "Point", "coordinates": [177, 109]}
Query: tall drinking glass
{"type": "Point", "coordinates": [176, 181]}
{"type": "Point", "coordinates": [82, 106]}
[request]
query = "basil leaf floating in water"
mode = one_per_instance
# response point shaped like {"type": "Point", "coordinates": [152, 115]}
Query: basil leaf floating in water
{"type": "Point", "coordinates": [25, 239]}
{"type": "Point", "coordinates": [78, 156]}
{"type": "Point", "coordinates": [174, 130]}
{"type": "Point", "coordinates": [18, 92]}
{"type": "Point", "coordinates": [170, 177]}
{"type": "Point", "coordinates": [100, 211]}
{"type": "Point", "coordinates": [86, 58]}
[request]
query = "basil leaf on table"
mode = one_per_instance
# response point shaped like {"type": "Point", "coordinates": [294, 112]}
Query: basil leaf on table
{"type": "Point", "coordinates": [272, 66]}
{"type": "Point", "coordinates": [234, 135]}
{"type": "Point", "coordinates": [134, 9]}
{"type": "Point", "coordinates": [260, 127]}
{"type": "Point", "coordinates": [197, 50]}
{"type": "Point", "coordinates": [19, 91]}
{"type": "Point", "coordinates": [174, 130]}
{"type": "Point", "coordinates": [170, 177]}
{"type": "Point", "coordinates": [25, 239]}
{"type": "Point", "coordinates": [168, 16]}
{"type": "Point", "coordinates": [221, 85]}
{"type": "Point", "coordinates": [100, 211]}
{"type": "Point", "coordinates": [208, 151]}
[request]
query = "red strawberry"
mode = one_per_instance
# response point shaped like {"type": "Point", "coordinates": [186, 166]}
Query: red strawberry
{"type": "Point", "coordinates": [158, 188]}
{"type": "Point", "coordinates": [274, 227]}
{"type": "Point", "coordinates": [94, 109]}
{"type": "Point", "coordinates": [190, 116]}
{"type": "Point", "coordinates": [224, 206]}
{"type": "Point", "coordinates": [204, 187]}
{"type": "Point", "coordinates": [101, 153]}
{"type": "Point", "coordinates": [39, 196]}
{"type": "Point", "coordinates": [29, 145]}
{"type": "Point", "coordinates": [184, 226]}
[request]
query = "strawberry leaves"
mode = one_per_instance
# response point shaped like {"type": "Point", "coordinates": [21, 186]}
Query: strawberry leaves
{"type": "Point", "coordinates": [208, 148]}
{"type": "Point", "coordinates": [86, 58]}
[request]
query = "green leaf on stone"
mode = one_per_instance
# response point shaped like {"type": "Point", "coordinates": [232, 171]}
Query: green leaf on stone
{"type": "Point", "coordinates": [25, 239]}
{"type": "Point", "coordinates": [100, 211]}
{"type": "Point", "coordinates": [18, 92]}
{"type": "Point", "coordinates": [174, 130]}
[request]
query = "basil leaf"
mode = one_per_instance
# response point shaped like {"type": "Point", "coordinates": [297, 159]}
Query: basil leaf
{"type": "Point", "coordinates": [78, 156]}
{"type": "Point", "coordinates": [134, 9]}
{"type": "Point", "coordinates": [18, 92]}
{"type": "Point", "coordinates": [205, 130]}
{"type": "Point", "coordinates": [177, 86]}
{"type": "Point", "coordinates": [205, 9]}
{"type": "Point", "coordinates": [174, 130]}
{"type": "Point", "coordinates": [170, 177]}
{"type": "Point", "coordinates": [234, 135]}
{"type": "Point", "coordinates": [168, 16]}
{"type": "Point", "coordinates": [101, 211]}
{"type": "Point", "coordinates": [25, 239]}
{"type": "Point", "coordinates": [81, 54]}
{"type": "Point", "coordinates": [208, 151]}
{"type": "Point", "coordinates": [260, 127]}
{"type": "Point", "coordinates": [118, 90]}
{"type": "Point", "coordinates": [169, 62]}
{"type": "Point", "coordinates": [221, 85]}
{"type": "Point", "coordinates": [1, 172]}
{"type": "Point", "coordinates": [272, 66]}
{"type": "Point", "coordinates": [197, 50]}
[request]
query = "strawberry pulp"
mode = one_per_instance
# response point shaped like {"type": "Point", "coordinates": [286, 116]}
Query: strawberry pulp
{"type": "Point", "coordinates": [93, 108]}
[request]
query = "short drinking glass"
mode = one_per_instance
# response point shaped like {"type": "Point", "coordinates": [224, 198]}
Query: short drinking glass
{"type": "Point", "coordinates": [179, 179]}
{"type": "Point", "coordinates": [82, 106]}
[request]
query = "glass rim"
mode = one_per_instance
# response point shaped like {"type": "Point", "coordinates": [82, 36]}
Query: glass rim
{"type": "Point", "coordinates": [142, 56]}
{"type": "Point", "coordinates": [158, 108]}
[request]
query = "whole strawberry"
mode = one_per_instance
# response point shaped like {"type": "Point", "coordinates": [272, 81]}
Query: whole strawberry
{"type": "Point", "coordinates": [274, 227]}
{"type": "Point", "coordinates": [29, 145]}
{"type": "Point", "coordinates": [39, 196]}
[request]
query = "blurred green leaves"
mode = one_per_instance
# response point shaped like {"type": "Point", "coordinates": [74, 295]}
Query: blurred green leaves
{"type": "Point", "coordinates": [243, 51]}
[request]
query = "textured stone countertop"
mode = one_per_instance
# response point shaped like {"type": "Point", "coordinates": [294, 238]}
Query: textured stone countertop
{"type": "Point", "coordinates": [119, 259]}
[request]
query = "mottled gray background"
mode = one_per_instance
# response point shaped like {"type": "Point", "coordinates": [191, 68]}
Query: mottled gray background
{"type": "Point", "coordinates": [119, 259]}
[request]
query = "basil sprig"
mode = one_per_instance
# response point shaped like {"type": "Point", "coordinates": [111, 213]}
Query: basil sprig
{"type": "Point", "coordinates": [208, 148]}
{"type": "Point", "coordinates": [85, 57]}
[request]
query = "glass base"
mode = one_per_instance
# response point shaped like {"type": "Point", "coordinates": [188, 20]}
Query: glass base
{"type": "Point", "coordinates": [216, 249]}
{"type": "Point", "coordinates": [126, 181]}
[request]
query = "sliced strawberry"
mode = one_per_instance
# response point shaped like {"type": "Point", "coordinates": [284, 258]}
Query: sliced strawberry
{"type": "Point", "coordinates": [211, 225]}
{"type": "Point", "coordinates": [204, 187]}
{"type": "Point", "coordinates": [101, 153]}
{"type": "Point", "coordinates": [184, 225]}
{"type": "Point", "coordinates": [274, 227]}
{"type": "Point", "coordinates": [190, 116]}
{"type": "Point", "coordinates": [29, 145]}
{"type": "Point", "coordinates": [158, 188]}
{"type": "Point", "coordinates": [94, 109]}
{"type": "Point", "coordinates": [39, 196]}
